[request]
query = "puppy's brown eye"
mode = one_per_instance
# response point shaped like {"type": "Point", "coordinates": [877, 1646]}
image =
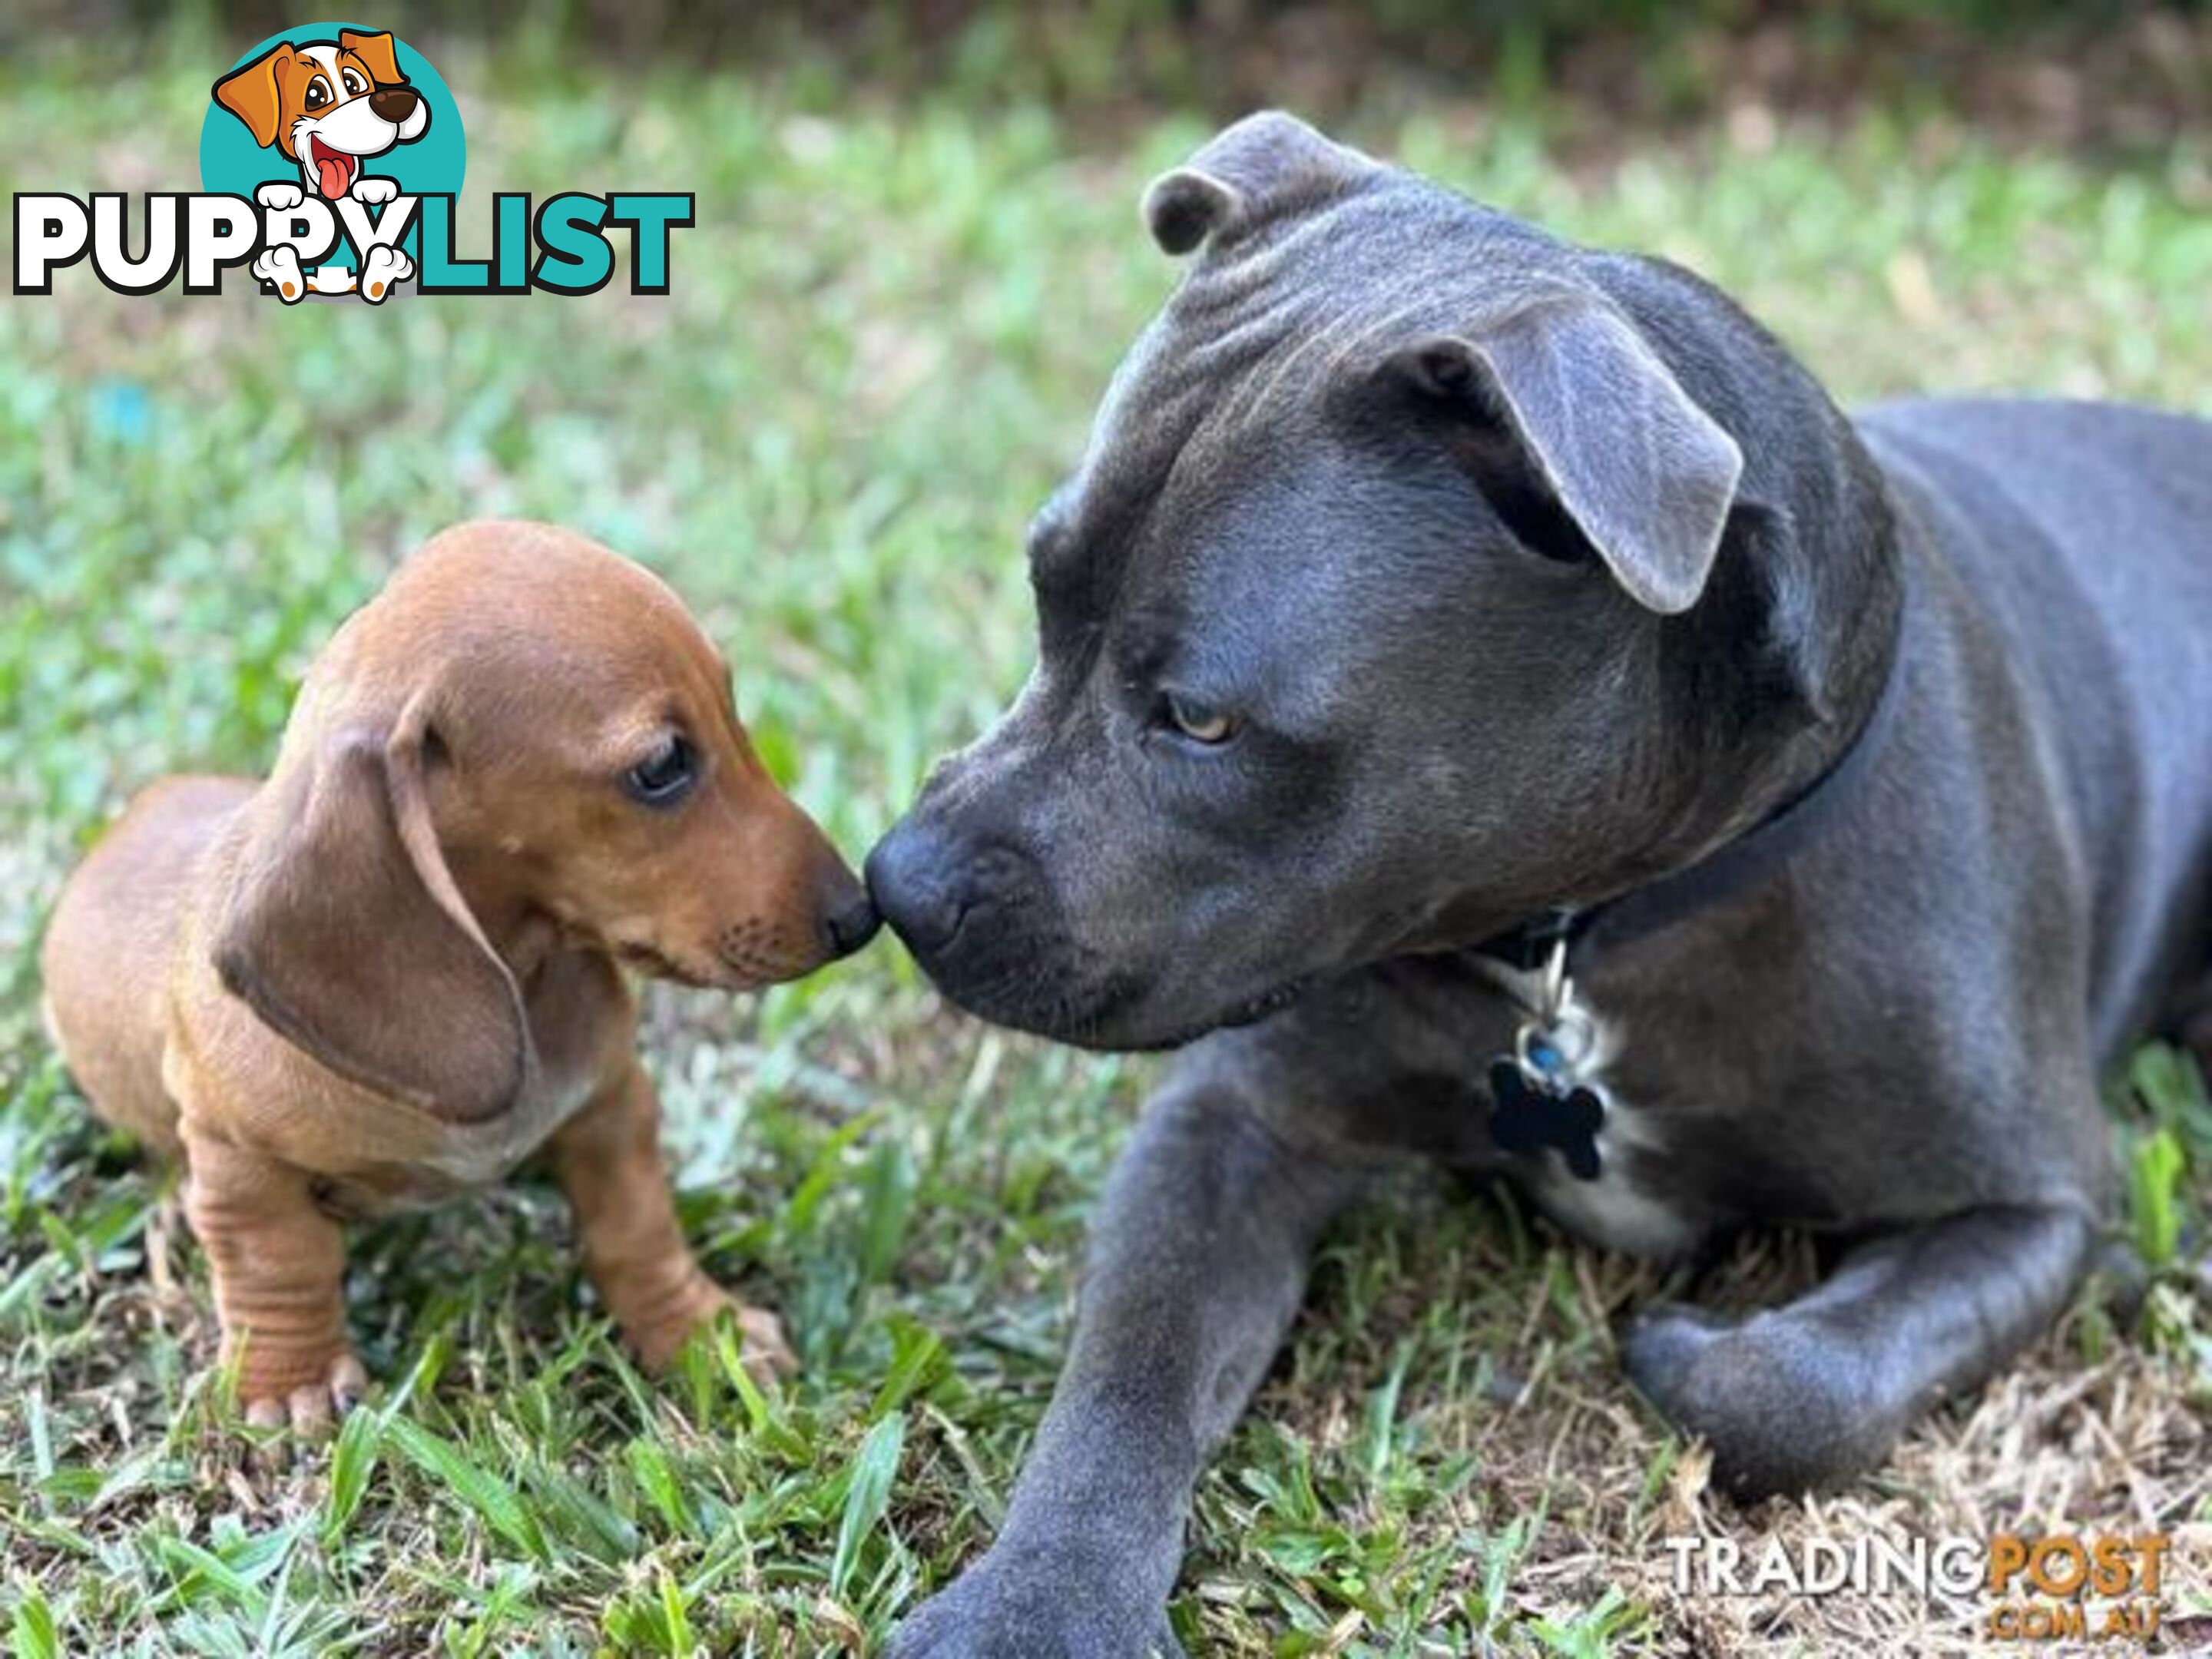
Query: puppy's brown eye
{"type": "Point", "coordinates": [318, 94]}
{"type": "Point", "coordinates": [355, 85]}
{"type": "Point", "coordinates": [1195, 721]}
{"type": "Point", "coordinates": [665, 776]}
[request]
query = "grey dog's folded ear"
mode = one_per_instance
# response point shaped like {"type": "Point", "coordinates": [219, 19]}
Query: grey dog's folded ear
{"type": "Point", "coordinates": [1251, 171]}
{"type": "Point", "coordinates": [1648, 476]}
{"type": "Point", "coordinates": [344, 932]}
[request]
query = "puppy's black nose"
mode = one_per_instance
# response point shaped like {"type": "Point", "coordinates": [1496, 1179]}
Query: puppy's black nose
{"type": "Point", "coordinates": [393, 104]}
{"type": "Point", "coordinates": [850, 922]}
{"type": "Point", "coordinates": [912, 877]}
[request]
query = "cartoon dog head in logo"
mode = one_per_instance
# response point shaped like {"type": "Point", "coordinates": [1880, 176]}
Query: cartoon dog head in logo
{"type": "Point", "coordinates": [328, 106]}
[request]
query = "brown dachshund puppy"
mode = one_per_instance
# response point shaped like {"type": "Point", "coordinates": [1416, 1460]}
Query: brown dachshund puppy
{"type": "Point", "coordinates": [390, 972]}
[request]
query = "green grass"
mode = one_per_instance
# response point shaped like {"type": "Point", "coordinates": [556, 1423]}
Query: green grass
{"type": "Point", "coordinates": [885, 340]}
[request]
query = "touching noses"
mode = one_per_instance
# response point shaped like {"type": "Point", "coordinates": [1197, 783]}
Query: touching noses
{"type": "Point", "coordinates": [849, 920]}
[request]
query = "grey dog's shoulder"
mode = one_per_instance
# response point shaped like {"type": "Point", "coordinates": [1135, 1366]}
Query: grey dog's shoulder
{"type": "Point", "coordinates": [2124, 489]}
{"type": "Point", "coordinates": [2025, 433]}
{"type": "Point", "coordinates": [2095, 477]}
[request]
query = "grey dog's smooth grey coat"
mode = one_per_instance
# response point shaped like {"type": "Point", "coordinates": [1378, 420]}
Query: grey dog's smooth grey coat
{"type": "Point", "coordinates": [1426, 572]}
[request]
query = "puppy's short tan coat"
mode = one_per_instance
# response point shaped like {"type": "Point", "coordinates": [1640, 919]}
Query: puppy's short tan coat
{"type": "Point", "coordinates": [388, 973]}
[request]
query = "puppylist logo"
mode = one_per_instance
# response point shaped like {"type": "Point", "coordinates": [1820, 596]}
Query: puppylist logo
{"type": "Point", "coordinates": [330, 163]}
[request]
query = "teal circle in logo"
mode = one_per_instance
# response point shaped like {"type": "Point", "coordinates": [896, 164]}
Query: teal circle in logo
{"type": "Point", "coordinates": [233, 160]}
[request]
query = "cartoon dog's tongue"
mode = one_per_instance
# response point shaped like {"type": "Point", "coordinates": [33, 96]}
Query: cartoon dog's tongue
{"type": "Point", "coordinates": [333, 167]}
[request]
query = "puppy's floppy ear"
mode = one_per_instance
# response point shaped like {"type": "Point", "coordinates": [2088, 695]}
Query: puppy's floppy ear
{"type": "Point", "coordinates": [249, 92]}
{"type": "Point", "coordinates": [345, 932]}
{"type": "Point", "coordinates": [1263, 165]}
{"type": "Point", "coordinates": [377, 52]}
{"type": "Point", "coordinates": [1646, 476]}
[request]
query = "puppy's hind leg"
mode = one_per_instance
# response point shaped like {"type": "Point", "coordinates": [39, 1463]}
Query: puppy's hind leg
{"type": "Point", "coordinates": [278, 1261]}
{"type": "Point", "coordinates": [1813, 1393]}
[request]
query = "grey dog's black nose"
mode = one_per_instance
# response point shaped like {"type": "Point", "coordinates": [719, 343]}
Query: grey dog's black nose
{"type": "Point", "coordinates": [393, 104]}
{"type": "Point", "coordinates": [910, 873]}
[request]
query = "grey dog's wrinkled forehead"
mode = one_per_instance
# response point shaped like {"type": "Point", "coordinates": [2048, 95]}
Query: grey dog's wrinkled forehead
{"type": "Point", "coordinates": [1313, 264]}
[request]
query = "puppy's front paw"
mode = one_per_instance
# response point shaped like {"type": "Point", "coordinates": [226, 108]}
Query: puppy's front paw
{"type": "Point", "coordinates": [279, 267]}
{"type": "Point", "coordinates": [279, 197]}
{"type": "Point", "coordinates": [766, 1353]}
{"type": "Point", "coordinates": [382, 270]}
{"type": "Point", "coordinates": [657, 1341]}
{"type": "Point", "coordinates": [1785, 1403]}
{"type": "Point", "coordinates": [305, 1396]}
{"type": "Point", "coordinates": [365, 189]}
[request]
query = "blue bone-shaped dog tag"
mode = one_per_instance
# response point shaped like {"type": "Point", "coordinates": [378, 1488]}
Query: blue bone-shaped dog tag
{"type": "Point", "coordinates": [1537, 1105]}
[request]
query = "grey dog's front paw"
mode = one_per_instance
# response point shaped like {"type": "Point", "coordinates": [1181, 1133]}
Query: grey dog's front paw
{"type": "Point", "coordinates": [1781, 1399]}
{"type": "Point", "coordinates": [1035, 1605]}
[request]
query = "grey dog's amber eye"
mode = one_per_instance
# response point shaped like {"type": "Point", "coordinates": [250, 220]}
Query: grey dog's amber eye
{"type": "Point", "coordinates": [664, 777]}
{"type": "Point", "coordinates": [1196, 721]}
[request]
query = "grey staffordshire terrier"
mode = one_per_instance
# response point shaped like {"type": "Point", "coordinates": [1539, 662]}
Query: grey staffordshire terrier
{"type": "Point", "coordinates": [1491, 703]}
